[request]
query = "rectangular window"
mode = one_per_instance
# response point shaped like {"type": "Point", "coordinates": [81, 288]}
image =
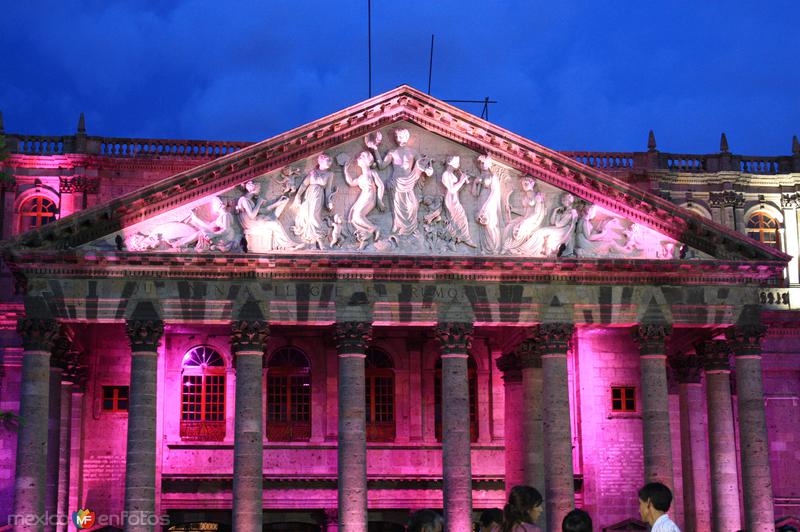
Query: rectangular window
{"type": "Point", "coordinates": [115, 398]}
{"type": "Point", "coordinates": [623, 399]}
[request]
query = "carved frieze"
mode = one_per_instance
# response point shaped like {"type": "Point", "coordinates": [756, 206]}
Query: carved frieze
{"type": "Point", "coordinates": [70, 185]}
{"type": "Point", "coordinates": [417, 194]}
{"type": "Point", "coordinates": [790, 201]}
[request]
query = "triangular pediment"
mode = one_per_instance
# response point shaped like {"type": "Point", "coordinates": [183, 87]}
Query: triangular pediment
{"type": "Point", "coordinates": [505, 196]}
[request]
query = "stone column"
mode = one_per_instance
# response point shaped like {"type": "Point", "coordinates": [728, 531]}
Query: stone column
{"type": "Point", "coordinates": [455, 340]}
{"type": "Point", "coordinates": [31, 474]}
{"type": "Point", "coordinates": [140, 456]}
{"type": "Point", "coordinates": [352, 339]}
{"type": "Point", "coordinates": [530, 356]}
{"type": "Point", "coordinates": [509, 365]}
{"type": "Point", "coordinates": [559, 482]}
{"type": "Point", "coordinates": [694, 450]}
{"type": "Point", "coordinates": [53, 438]}
{"type": "Point", "coordinates": [756, 475]}
{"type": "Point", "coordinates": [791, 244]}
{"type": "Point", "coordinates": [65, 444]}
{"type": "Point", "coordinates": [248, 339]}
{"type": "Point", "coordinates": [655, 403]}
{"type": "Point", "coordinates": [722, 441]}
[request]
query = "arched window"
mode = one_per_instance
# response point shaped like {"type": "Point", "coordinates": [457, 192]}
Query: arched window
{"type": "Point", "coordinates": [379, 390]}
{"type": "Point", "coordinates": [203, 395]}
{"type": "Point", "coordinates": [472, 371]}
{"type": "Point", "coordinates": [764, 228]}
{"type": "Point", "coordinates": [288, 396]}
{"type": "Point", "coordinates": [36, 211]}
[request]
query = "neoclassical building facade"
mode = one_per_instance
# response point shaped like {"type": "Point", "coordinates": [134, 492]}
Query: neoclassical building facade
{"type": "Point", "coordinates": [394, 307]}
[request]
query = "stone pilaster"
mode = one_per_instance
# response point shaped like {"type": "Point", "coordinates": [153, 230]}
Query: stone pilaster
{"type": "Point", "coordinates": [455, 340]}
{"type": "Point", "coordinates": [530, 356]}
{"type": "Point", "coordinates": [694, 450]}
{"type": "Point", "coordinates": [140, 464]}
{"type": "Point", "coordinates": [513, 437]}
{"type": "Point", "coordinates": [726, 514]}
{"type": "Point", "coordinates": [352, 339]}
{"type": "Point", "coordinates": [248, 339]}
{"type": "Point", "coordinates": [30, 480]}
{"type": "Point", "coordinates": [559, 496]}
{"type": "Point", "coordinates": [72, 377]}
{"type": "Point", "coordinates": [655, 403]}
{"type": "Point", "coordinates": [756, 477]}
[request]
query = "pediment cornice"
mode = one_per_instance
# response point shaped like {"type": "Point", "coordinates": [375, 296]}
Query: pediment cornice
{"type": "Point", "coordinates": [401, 104]}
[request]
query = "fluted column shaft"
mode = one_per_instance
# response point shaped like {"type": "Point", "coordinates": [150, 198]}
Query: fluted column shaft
{"type": "Point", "coordinates": [656, 436]}
{"type": "Point", "coordinates": [721, 440]}
{"type": "Point", "coordinates": [559, 480]}
{"type": "Point", "coordinates": [455, 340]}
{"type": "Point", "coordinates": [140, 455]}
{"type": "Point", "coordinates": [352, 339]}
{"type": "Point", "coordinates": [513, 414]}
{"type": "Point", "coordinates": [248, 339]}
{"type": "Point", "coordinates": [694, 451]}
{"type": "Point", "coordinates": [53, 442]}
{"type": "Point", "coordinates": [30, 479]}
{"type": "Point", "coordinates": [530, 355]}
{"type": "Point", "coordinates": [64, 452]}
{"type": "Point", "coordinates": [756, 476]}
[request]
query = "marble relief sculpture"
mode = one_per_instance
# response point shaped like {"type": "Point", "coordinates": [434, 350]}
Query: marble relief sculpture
{"type": "Point", "coordinates": [519, 234]}
{"type": "Point", "coordinates": [263, 230]}
{"type": "Point", "coordinates": [314, 195]}
{"type": "Point", "coordinates": [371, 195]}
{"type": "Point", "coordinates": [407, 170]}
{"type": "Point", "coordinates": [505, 214]}
{"type": "Point", "coordinates": [489, 215]}
{"type": "Point", "coordinates": [453, 180]}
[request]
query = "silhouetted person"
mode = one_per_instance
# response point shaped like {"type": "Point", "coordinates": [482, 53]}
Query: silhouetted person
{"type": "Point", "coordinates": [654, 501]}
{"type": "Point", "coordinates": [491, 520]}
{"type": "Point", "coordinates": [425, 521]}
{"type": "Point", "coordinates": [525, 505]}
{"type": "Point", "coordinates": [576, 521]}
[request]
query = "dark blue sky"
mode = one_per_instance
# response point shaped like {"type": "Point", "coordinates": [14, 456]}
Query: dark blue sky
{"type": "Point", "coordinates": [570, 75]}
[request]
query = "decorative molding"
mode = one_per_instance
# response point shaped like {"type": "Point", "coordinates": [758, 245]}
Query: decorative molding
{"type": "Point", "coordinates": [529, 353]}
{"type": "Point", "coordinates": [70, 185]}
{"type": "Point", "coordinates": [651, 337]}
{"type": "Point", "coordinates": [555, 338]}
{"type": "Point", "coordinates": [144, 335]}
{"type": "Point", "coordinates": [510, 366]}
{"type": "Point", "coordinates": [745, 340]}
{"type": "Point", "coordinates": [37, 334]}
{"type": "Point", "coordinates": [249, 336]}
{"type": "Point", "coordinates": [790, 201]}
{"type": "Point", "coordinates": [352, 337]}
{"type": "Point", "coordinates": [454, 338]}
{"type": "Point", "coordinates": [714, 355]}
{"type": "Point", "coordinates": [726, 198]}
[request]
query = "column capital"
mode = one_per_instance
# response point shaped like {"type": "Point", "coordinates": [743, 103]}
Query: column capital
{"type": "Point", "coordinates": [554, 338]}
{"type": "Point", "coordinates": [249, 335]}
{"type": "Point", "coordinates": [37, 334]}
{"type": "Point", "coordinates": [530, 353]}
{"type": "Point", "coordinates": [331, 515]}
{"type": "Point", "coordinates": [352, 336]}
{"type": "Point", "coordinates": [61, 352]}
{"type": "Point", "coordinates": [509, 365]}
{"type": "Point", "coordinates": [651, 337]}
{"type": "Point", "coordinates": [745, 340]}
{"type": "Point", "coordinates": [454, 337]}
{"type": "Point", "coordinates": [715, 355]}
{"type": "Point", "coordinates": [687, 369]}
{"type": "Point", "coordinates": [144, 335]}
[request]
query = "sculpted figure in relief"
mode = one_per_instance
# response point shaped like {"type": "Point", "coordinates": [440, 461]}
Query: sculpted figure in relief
{"type": "Point", "coordinates": [314, 194]}
{"type": "Point", "coordinates": [519, 234]}
{"type": "Point", "coordinates": [548, 240]}
{"type": "Point", "coordinates": [407, 169]}
{"type": "Point", "coordinates": [489, 214]}
{"type": "Point", "coordinates": [264, 232]}
{"type": "Point", "coordinates": [592, 239]}
{"type": "Point", "coordinates": [370, 195]}
{"type": "Point", "coordinates": [453, 180]}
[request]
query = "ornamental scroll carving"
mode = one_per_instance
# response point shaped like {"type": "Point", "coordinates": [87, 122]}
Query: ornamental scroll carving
{"type": "Point", "coordinates": [400, 190]}
{"type": "Point", "coordinates": [726, 198]}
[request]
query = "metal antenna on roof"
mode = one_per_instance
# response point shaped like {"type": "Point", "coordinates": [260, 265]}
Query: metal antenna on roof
{"type": "Point", "coordinates": [486, 101]}
{"type": "Point", "coordinates": [430, 66]}
{"type": "Point", "coordinates": [369, 44]}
